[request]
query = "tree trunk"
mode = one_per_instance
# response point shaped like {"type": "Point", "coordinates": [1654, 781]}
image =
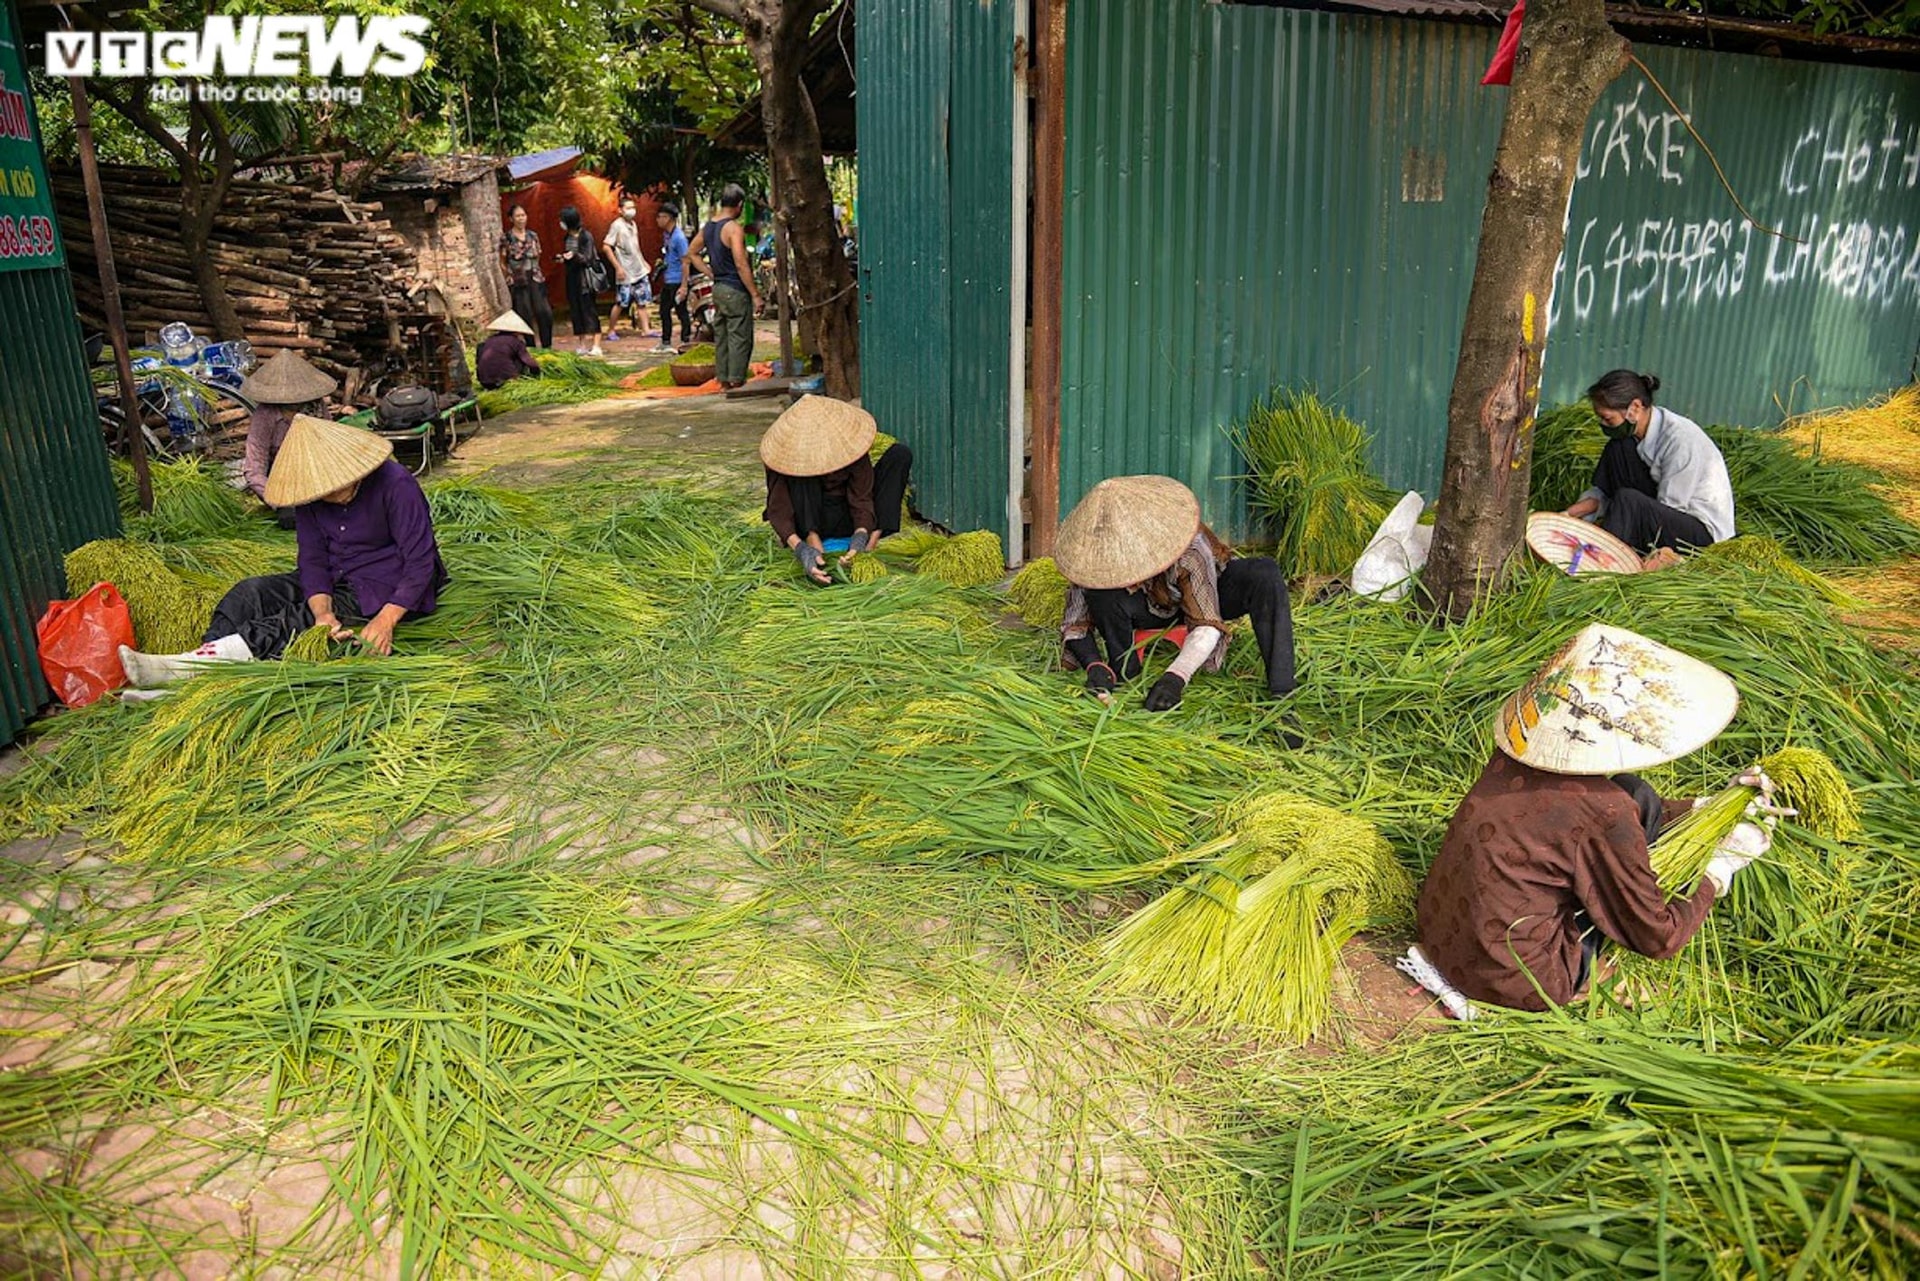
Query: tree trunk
{"type": "Point", "coordinates": [1567, 55]}
{"type": "Point", "coordinates": [196, 230]}
{"type": "Point", "coordinates": [831, 315]}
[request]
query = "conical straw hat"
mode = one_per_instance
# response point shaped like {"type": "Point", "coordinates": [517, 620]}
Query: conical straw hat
{"type": "Point", "coordinates": [287, 380]}
{"type": "Point", "coordinates": [1578, 546]}
{"type": "Point", "coordinates": [319, 457]}
{"type": "Point", "coordinates": [816, 435]}
{"type": "Point", "coordinates": [509, 322]}
{"type": "Point", "coordinates": [1612, 701]}
{"type": "Point", "coordinates": [1126, 530]}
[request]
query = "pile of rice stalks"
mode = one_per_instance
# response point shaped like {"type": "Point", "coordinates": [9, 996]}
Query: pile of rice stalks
{"type": "Point", "coordinates": [966, 560]}
{"type": "Point", "coordinates": [486, 1033]}
{"type": "Point", "coordinates": [1311, 479]}
{"type": "Point", "coordinates": [1566, 447]}
{"type": "Point", "coordinates": [1255, 935]}
{"type": "Point", "coordinates": [1039, 594]}
{"type": "Point", "coordinates": [1553, 1148]}
{"type": "Point", "coordinates": [191, 499]}
{"type": "Point", "coordinates": [248, 759]}
{"type": "Point", "coordinates": [1883, 434]}
{"type": "Point", "coordinates": [1758, 552]}
{"type": "Point", "coordinates": [169, 616]}
{"type": "Point", "coordinates": [565, 379]}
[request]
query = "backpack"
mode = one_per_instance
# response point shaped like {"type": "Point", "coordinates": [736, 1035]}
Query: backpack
{"type": "Point", "coordinates": [405, 408]}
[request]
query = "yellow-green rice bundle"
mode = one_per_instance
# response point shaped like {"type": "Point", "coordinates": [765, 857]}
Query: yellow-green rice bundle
{"type": "Point", "coordinates": [191, 499]}
{"type": "Point", "coordinates": [1255, 936]}
{"type": "Point", "coordinates": [314, 645]}
{"type": "Point", "coordinates": [1767, 556]}
{"type": "Point", "coordinates": [1039, 594]}
{"type": "Point", "coordinates": [216, 564]}
{"type": "Point", "coordinates": [1804, 780]}
{"type": "Point", "coordinates": [169, 615]}
{"type": "Point", "coordinates": [911, 544]}
{"type": "Point", "coordinates": [865, 569]}
{"type": "Point", "coordinates": [966, 560]}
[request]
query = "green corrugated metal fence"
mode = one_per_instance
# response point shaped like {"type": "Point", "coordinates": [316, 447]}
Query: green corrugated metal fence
{"type": "Point", "coordinates": [1260, 196]}
{"type": "Point", "coordinates": [55, 488]}
{"type": "Point", "coordinates": [936, 146]}
{"type": "Point", "coordinates": [1661, 273]}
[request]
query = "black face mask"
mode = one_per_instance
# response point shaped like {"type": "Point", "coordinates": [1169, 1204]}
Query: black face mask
{"type": "Point", "coordinates": [1618, 431]}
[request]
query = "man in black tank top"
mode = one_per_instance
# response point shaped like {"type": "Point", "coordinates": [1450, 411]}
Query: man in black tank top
{"type": "Point", "coordinates": [720, 250]}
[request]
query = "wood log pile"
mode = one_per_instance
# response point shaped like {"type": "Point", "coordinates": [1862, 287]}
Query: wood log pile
{"type": "Point", "coordinates": [305, 267]}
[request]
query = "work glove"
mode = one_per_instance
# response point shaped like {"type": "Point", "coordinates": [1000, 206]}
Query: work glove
{"type": "Point", "coordinates": [810, 557]}
{"type": "Point", "coordinates": [1100, 679]}
{"type": "Point", "coordinates": [1166, 692]}
{"type": "Point", "coordinates": [858, 543]}
{"type": "Point", "coordinates": [1745, 843]}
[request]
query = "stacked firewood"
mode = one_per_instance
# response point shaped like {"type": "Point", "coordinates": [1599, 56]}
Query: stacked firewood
{"type": "Point", "coordinates": [305, 268]}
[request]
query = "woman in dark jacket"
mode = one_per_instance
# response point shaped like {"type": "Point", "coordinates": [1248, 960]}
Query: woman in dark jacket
{"type": "Point", "coordinates": [579, 253]}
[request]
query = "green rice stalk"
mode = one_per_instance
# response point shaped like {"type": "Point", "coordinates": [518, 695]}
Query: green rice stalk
{"type": "Point", "coordinates": [169, 617]}
{"type": "Point", "coordinates": [191, 499]}
{"type": "Point", "coordinates": [216, 564]}
{"type": "Point", "coordinates": [565, 379]}
{"type": "Point", "coordinates": [1566, 448]}
{"type": "Point", "coordinates": [1765, 555]}
{"type": "Point", "coordinates": [1311, 479]}
{"type": "Point", "coordinates": [865, 569]}
{"type": "Point", "coordinates": [1039, 594]}
{"type": "Point", "coordinates": [910, 543]}
{"type": "Point", "coordinates": [966, 560]}
{"type": "Point", "coordinates": [1255, 936]}
{"type": "Point", "coordinates": [1806, 780]}
{"type": "Point", "coordinates": [314, 645]}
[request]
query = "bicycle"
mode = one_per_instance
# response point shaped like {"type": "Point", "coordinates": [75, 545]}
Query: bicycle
{"type": "Point", "coordinates": [180, 411]}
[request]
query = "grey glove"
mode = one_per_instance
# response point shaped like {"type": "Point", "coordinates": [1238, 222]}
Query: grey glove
{"type": "Point", "coordinates": [860, 541]}
{"type": "Point", "coordinates": [809, 556]}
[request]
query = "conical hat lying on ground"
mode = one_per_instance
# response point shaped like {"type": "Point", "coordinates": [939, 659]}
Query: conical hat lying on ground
{"type": "Point", "coordinates": [1612, 701]}
{"type": "Point", "coordinates": [319, 457]}
{"type": "Point", "coordinates": [1126, 530]}
{"type": "Point", "coordinates": [817, 435]}
{"type": "Point", "coordinates": [1578, 546]}
{"type": "Point", "coordinates": [287, 380]}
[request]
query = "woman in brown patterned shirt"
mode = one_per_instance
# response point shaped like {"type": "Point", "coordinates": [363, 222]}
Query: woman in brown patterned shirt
{"type": "Point", "coordinates": [520, 255]}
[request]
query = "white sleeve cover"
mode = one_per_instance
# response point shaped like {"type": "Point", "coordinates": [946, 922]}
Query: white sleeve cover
{"type": "Point", "coordinates": [1200, 645]}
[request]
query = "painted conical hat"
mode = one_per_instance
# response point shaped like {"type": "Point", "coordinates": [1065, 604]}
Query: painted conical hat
{"type": "Point", "coordinates": [816, 435]}
{"type": "Point", "coordinates": [319, 457]}
{"type": "Point", "coordinates": [1578, 546]}
{"type": "Point", "coordinates": [287, 380]}
{"type": "Point", "coordinates": [509, 322]}
{"type": "Point", "coordinates": [1612, 701]}
{"type": "Point", "coordinates": [1126, 530]}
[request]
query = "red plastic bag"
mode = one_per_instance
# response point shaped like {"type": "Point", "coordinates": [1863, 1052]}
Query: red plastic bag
{"type": "Point", "coordinates": [80, 644]}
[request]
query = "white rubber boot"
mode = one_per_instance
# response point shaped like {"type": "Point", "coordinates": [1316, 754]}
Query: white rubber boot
{"type": "Point", "coordinates": [150, 671]}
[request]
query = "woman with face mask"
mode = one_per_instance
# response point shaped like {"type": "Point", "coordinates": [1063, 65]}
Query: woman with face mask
{"type": "Point", "coordinates": [1660, 482]}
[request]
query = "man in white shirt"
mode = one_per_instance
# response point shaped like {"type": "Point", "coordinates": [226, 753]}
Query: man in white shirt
{"type": "Point", "coordinates": [629, 270]}
{"type": "Point", "coordinates": [1660, 482]}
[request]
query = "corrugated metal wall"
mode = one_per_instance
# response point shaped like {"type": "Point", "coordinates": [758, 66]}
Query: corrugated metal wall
{"type": "Point", "coordinates": [55, 489]}
{"type": "Point", "coordinates": [935, 118]}
{"type": "Point", "coordinates": [1260, 196]}
{"type": "Point", "coordinates": [1661, 273]}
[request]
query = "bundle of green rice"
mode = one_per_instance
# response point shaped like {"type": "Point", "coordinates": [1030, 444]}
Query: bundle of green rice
{"type": "Point", "coordinates": [216, 564]}
{"type": "Point", "coordinates": [169, 615]}
{"type": "Point", "coordinates": [966, 560]}
{"type": "Point", "coordinates": [314, 645]}
{"type": "Point", "coordinates": [1765, 555]}
{"type": "Point", "coordinates": [1308, 466]}
{"type": "Point", "coordinates": [1804, 780]}
{"type": "Point", "coordinates": [1255, 936]}
{"type": "Point", "coordinates": [1822, 511]}
{"type": "Point", "coordinates": [910, 544]}
{"type": "Point", "coordinates": [864, 569]}
{"type": "Point", "coordinates": [191, 499]}
{"type": "Point", "coordinates": [565, 379]}
{"type": "Point", "coordinates": [1039, 594]}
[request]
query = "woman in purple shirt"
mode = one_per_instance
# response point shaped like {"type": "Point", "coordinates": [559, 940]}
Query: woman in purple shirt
{"type": "Point", "coordinates": [367, 556]}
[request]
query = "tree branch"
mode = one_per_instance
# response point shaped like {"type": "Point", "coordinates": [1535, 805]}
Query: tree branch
{"type": "Point", "coordinates": [136, 113]}
{"type": "Point", "coordinates": [734, 11]}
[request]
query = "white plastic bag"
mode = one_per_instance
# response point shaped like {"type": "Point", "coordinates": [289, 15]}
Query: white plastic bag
{"type": "Point", "coordinates": [1398, 551]}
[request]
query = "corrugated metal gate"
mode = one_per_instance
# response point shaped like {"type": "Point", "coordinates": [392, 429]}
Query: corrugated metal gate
{"type": "Point", "coordinates": [55, 488]}
{"type": "Point", "coordinates": [1260, 196]}
{"type": "Point", "coordinates": [936, 150]}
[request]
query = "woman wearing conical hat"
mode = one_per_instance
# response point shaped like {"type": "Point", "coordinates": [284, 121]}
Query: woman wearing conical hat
{"type": "Point", "coordinates": [823, 485]}
{"type": "Point", "coordinates": [367, 556]}
{"type": "Point", "coordinates": [1547, 855]}
{"type": "Point", "coordinates": [281, 388]}
{"type": "Point", "coordinates": [1139, 560]}
{"type": "Point", "coordinates": [503, 354]}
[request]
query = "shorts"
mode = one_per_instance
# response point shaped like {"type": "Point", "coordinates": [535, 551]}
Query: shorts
{"type": "Point", "coordinates": [633, 293]}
